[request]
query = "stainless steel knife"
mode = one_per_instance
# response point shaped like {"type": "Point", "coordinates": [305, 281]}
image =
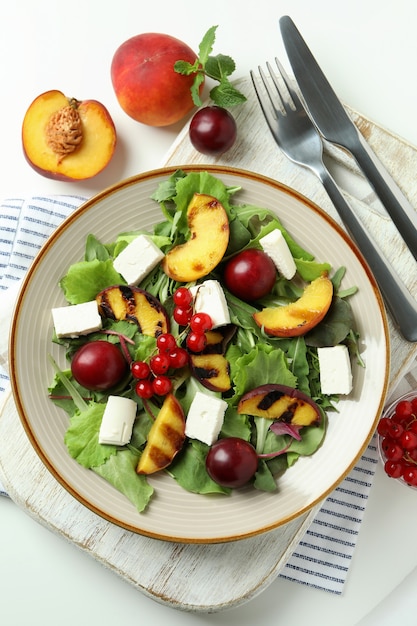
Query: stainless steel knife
{"type": "Point", "coordinates": [333, 122]}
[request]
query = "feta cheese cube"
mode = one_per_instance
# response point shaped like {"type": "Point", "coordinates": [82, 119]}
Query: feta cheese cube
{"type": "Point", "coordinates": [335, 370]}
{"type": "Point", "coordinates": [138, 258]}
{"type": "Point", "coordinates": [209, 298]}
{"type": "Point", "coordinates": [117, 422]}
{"type": "Point", "coordinates": [76, 319]}
{"type": "Point", "coordinates": [205, 418]}
{"type": "Point", "coordinates": [275, 246]}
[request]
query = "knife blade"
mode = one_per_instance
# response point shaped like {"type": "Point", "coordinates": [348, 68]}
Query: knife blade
{"type": "Point", "coordinates": [334, 124]}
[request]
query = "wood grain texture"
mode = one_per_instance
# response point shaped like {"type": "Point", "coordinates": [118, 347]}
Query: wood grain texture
{"type": "Point", "coordinates": [211, 578]}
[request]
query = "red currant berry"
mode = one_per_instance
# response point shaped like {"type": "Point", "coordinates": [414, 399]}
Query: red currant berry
{"type": "Point", "coordinates": [395, 430]}
{"type": "Point", "coordinates": [386, 443]}
{"type": "Point", "coordinates": [403, 410]}
{"type": "Point", "coordinates": [200, 322]}
{"type": "Point", "coordinates": [196, 342]}
{"type": "Point", "coordinates": [413, 426]}
{"type": "Point", "coordinates": [182, 315]}
{"type": "Point", "coordinates": [161, 385]}
{"type": "Point", "coordinates": [412, 455]}
{"type": "Point", "coordinates": [178, 358]}
{"type": "Point", "coordinates": [410, 476]}
{"type": "Point", "coordinates": [394, 452]}
{"type": "Point", "coordinates": [144, 389]}
{"type": "Point", "coordinates": [140, 369]}
{"type": "Point", "coordinates": [182, 297]}
{"type": "Point", "coordinates": [414, 406]}
{"type": "Point", "coordinates": [160, 363]}
{"type": "Point", "coordinates": [408, 440]}
{"type": "Point", "coordinates": [166, 342]}
{"type": "Point", "coordinates": [383, 425]}
{"type": "Point", "coordinates": [394, 469]}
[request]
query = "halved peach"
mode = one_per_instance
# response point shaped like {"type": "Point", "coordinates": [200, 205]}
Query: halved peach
{"type": "Point", "coordinates": [133, 304]}
{"type": "Point", "coordinates": [300, 316]}
{"type": "Point", "coordinates": [209, 237]}
{"type": "Point", "coordinates": [165, 438]}
{"type": "Point", "coordinates": [280, 402]}
{"type": "Point", "coordinates": [67, 139]}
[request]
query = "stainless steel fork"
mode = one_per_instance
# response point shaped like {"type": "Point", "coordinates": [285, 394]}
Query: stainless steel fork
{"type": "Point", "coordinates": [301, 142]}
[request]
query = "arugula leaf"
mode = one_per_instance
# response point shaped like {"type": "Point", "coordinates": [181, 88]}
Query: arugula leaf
{"type": "Point", "coordinates": [335, 327]}
{"type": "Point", "coordinates": [189, 469]}
{"type": "Point", "coordinates": [264, 479]}
{"type": "Point", "coordinates": [297, 352]}
{"type": "Point", "coordinates": [310, 270]}
{"type": "Point", "coordinates": [311, 438]}
{"type": "Point", "coordinates": [235, 425]}
{"type": "Point", "coordinates": [167, 189]}
{"type": "Point", "coordinates": [62, 396]}
{"type": "Point", "coordinates": [94, 249]}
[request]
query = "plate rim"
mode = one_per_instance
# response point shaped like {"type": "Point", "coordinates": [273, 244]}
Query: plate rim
{"type": "Point", "coordinates": [105, 193]}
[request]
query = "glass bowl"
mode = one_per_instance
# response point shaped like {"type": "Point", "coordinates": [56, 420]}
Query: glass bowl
{"type": "Point", "coordinates": [397, 439]}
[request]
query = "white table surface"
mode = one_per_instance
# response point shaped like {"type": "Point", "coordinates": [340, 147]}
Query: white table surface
{"type": "Point", "coordinates": [368, 51]}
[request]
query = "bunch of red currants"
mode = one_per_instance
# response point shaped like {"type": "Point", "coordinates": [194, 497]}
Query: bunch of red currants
{"type": "Point", "coordinates": [398, 440]}
{"type": "Point", "coordinates": [153, 375]}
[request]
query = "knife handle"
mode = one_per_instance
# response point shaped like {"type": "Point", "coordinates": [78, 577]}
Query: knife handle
{"type": "Point", "coordinates": [402, 306]}
{"type": "Point", "coordinates": [397, 206]}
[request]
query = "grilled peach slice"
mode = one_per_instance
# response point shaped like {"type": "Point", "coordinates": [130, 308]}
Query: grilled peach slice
{"type": "Point", "coordinates": [300, 316]}
{"type": "Point", "coordinates": [280, 402]}
{"type": "Point", "coordinates": [212, 370]}
{"type": "Point", "coordinates": [209, 237]}
{"type": "Point", "coordinates": [134, 304]}
{"type": "Point", "coordinates": [210, 367]}
{"type": "Point", "coordinates": [219, 338]}
{"type": "Point", "coordinates": [165, 438]}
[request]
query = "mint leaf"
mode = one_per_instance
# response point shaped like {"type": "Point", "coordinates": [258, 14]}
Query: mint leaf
{"type": "Point", "coordinates": [185, 68]}
{"type": "Point", "coordinates": [220, 66]}
{"type": "Point", "coordinates": [225, 95]}
{"type": "Point", "coordinates": [195, 89]}
{"type": "Point", "coordinates": [206, 45]}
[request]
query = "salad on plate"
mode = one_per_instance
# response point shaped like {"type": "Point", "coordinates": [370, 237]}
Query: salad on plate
{"type": "Point", "coordinates": [213, 348]}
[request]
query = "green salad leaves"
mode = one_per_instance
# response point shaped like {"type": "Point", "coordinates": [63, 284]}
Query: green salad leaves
{"type": "Point", "coordinates": [254, 358]}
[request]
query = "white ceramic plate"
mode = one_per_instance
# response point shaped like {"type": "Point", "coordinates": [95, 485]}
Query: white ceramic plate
{"type": "Point", "coordinates": [175, 514]}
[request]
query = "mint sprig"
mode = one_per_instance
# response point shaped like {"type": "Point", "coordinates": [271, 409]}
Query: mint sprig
{"type": "Point", "coordinates": [218, 67]}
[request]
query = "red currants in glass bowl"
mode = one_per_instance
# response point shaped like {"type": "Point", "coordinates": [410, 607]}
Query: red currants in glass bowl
{"type": "Point", "coordinates": [397, 439]}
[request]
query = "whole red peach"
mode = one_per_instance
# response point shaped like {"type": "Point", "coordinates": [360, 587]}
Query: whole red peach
{"type": "Point", "coordinates": [144, 80]}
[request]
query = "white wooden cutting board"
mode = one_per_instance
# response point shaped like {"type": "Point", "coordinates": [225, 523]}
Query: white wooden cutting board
{"type": "Point", "coordinates": [183, 576]}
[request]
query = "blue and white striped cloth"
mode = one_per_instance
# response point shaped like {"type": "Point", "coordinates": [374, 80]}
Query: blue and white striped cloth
{"type": "Point", "coordinates": [323, 556]}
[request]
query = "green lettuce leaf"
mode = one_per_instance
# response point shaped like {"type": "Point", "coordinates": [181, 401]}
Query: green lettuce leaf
{"type": "Point", "coordinates": [262, 364]}
{"type": "Point", "coordinates": [81, 437]}
{"type": "Point", "coordinates": [120, 471]}
{"type": "Point", "coordinates": [84, 280]}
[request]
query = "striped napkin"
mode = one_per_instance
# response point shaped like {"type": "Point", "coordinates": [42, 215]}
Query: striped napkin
{"type": "Point", "coordinates": [323, 556]}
